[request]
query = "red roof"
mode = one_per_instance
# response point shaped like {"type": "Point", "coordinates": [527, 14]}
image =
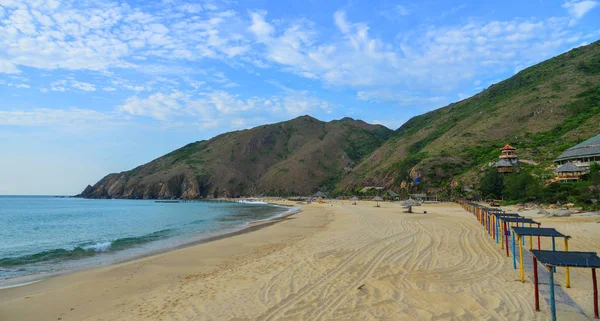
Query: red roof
{"type": "Point", "coordinates": [508, 147]}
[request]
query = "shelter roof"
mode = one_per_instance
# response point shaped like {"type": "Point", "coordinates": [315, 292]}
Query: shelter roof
{"type": "Point", "coordinates": [538, 231]}
{"type": "Point", "coordinates": [504, 163]}
{"type": "Point", "coordinates": [392, 193]}
{"type": "Point", "coordinates": [506, 215]}
{"type": "Point", "coordinates": [507, 147]}
{"type": "Point", "coordinates": [568, 167]}
{"type": "Point", "coordinates": [320, 194]}
{"type": "Point", "coordinates": [518, 220]}
{"type": "Point", "coordinates": [588, 148]}
{"type": "Point", "coordinates": [572, 259]}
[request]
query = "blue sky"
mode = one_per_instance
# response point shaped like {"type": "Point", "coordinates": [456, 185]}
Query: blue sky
{"type": "Point", "coordinates": [91, 87]}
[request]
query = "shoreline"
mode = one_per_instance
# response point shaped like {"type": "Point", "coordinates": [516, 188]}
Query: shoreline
{"type": "Point", "coordinates": [249, 227]}
{"type": "Point", "coordinates": [93, 293]}
{"type": "Point", "coordinates": [334, 261]}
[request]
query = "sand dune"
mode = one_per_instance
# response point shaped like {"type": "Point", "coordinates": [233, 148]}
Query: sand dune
{"type": "Point", "coordinates": [339, 262]}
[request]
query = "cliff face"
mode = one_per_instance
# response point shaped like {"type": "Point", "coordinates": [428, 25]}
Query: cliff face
{"type": "Point", "coordinates": [296, 157]}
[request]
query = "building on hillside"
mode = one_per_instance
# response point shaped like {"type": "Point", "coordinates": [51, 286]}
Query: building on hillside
{"type": "Point", "coordinates": [582, 155]}
{"type": "Point", "coordinates": [371, 189]}
{"type": "Point", "coordinates": [568, 172]}
{"type": "Point", "coordinates": [391, 195]}
{"type": "Point", "coordinates": [319, 195]}
{"type": "Point", "coordinates": [508, 159]}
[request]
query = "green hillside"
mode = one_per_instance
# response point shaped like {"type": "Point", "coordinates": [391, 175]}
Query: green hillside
{"type": "Point", "coordinates": [541, 110]}
{"type": "Point", "coordinates": [295, 157]}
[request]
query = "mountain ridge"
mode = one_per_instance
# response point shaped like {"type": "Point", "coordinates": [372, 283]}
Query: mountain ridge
{"type": "Point", "coordinates": [556, 99]}
{"type": "Point", "coordinates": [541, 110]}
{"type": "Point", "coordinates": [297, 156]}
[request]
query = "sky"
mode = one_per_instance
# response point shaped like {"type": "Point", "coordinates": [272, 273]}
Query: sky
{"type": "Point", "coordinates": [92, 87]}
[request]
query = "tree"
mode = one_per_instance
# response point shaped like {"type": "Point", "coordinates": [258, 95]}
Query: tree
{"type": "Point", "coordinates": [521, 187]}
{"type": "Point", "coordinates": [595, 173]}
{"type": "Point", "coordinates": [491, 184]}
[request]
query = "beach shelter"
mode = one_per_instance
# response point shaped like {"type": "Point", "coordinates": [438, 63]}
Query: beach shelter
{"type": "Point", "coordinates": [552, 259]}
{"type": "Point", "coordinates": [568, 172]}
{"type": "Point", "coordinates": [498, 227]}
{"type": "Point", "coordinates": [539, 232]}
{"type": "Point", "coordinates": [489, 220]}
{"type": "Point", "coordinates": [392, 195]}
{"type": "Point", "coordinates": [506, 222]}
{"type": "Point", "coordinates": [377, 199]}
{"type": "Point", "coordinates": [319, 194]}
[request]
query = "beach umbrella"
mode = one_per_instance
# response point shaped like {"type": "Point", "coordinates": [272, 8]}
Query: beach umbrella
{"type": "Point", "coordinates": [378, 199]}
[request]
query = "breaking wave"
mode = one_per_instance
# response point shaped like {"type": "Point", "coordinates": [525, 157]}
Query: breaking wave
{"type": "Point", "coordinates": [83, 250]}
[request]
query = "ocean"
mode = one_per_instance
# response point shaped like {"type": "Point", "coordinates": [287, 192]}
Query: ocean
{"type": "Point", "coordinates": [41, 236]}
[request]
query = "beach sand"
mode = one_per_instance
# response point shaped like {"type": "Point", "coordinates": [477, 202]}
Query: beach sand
{"type": "Point", "coordinates": [332, 261]}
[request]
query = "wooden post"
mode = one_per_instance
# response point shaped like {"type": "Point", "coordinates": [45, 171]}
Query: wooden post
{"type": "Point", "coordinates": [502, 236]}
{"type": "Point", "coordinates": [494, 226]}
{"type": "Point", "coordinates": [530, 240]}
{"type": "Point", "coordinates": [568, 275]}
{"type": "Point", "coordinates": [552, 303]}
{"type": "Point", "coordinates": [595, 285]}
{"type": "Point", "coordinates": [553, 249]}
{"type": "Point", "coordinates": [497, 230]}
{"type": "Point", "coordinates": [521, 260]}
{"type": "Point", "coordinates": [539, 241]}
{"type": "Point", "coordinates": [512, 234]}
{"type": "Point", "coordinates": [535, 285]}
{"type": "Point", "coordinates": [506, 237]}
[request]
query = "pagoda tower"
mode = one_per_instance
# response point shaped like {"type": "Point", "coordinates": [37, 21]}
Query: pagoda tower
{"type": "Point", "coordinates": [508, 159]}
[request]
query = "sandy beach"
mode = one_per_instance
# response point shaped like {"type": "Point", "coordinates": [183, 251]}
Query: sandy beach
{"type": "Point", "coordinates": [332, 261]}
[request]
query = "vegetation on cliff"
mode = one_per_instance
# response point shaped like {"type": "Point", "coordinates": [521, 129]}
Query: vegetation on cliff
{"type": "Point", "coordinates": [542, 110]}
{"type": "Point", "coordinates": [295, 157]}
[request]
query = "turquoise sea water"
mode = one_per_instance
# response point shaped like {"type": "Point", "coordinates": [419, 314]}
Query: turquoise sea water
{"type": "Point", "coordinates": [40, 236]}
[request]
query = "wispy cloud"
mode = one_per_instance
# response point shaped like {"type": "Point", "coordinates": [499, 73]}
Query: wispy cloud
{"type": "Point", "coordinates": [220, 105]}
{"type": "Point", "coordinates": [578, 9]}
{"type": "Point", "coordinates": [55, 117]}
{"type": "Point", "coordinates": [432, 61]}
{"type": "Point", "coordinates": [176, 59]}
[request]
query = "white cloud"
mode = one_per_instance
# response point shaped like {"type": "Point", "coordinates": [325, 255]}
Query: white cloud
{"type": "Point", "coordinates": [8, 68]}
{"type": "Point", "coordinates": [395, 12]}
{"type": "Point", "coordinates": [64, 85]}
{"type": "Point", "coordinates": [10, 84]}
{"type": "Point", "coordinates": [48, 117]}
{"type": "Point", "coordinates": [159, 106]}
{"type": "Point", "coordinates": [99, 36]}
{"type": "Point", "coordinates": [339, 17]}
{"type": "Point", "coordinates": [417, 67]}
{"type": "Point", "coordinates": [83, 86]}
{"type": "Point", "coordinates": [219, 77]}
{"type": "Point", "coordinates": [123, 83]}
{"type": "Point", "coordinates": [259, 27]}
{"type": "Point", "coordinates": [401, 10]}
{"type": "Point", "coordinates": [400, 98]}
{"type": "Point", "coordinates": [429, 61]}
{"type": "Point", "coordinates": [220, 104]}
{"type": "Point", "coordinates": [578, 9]}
